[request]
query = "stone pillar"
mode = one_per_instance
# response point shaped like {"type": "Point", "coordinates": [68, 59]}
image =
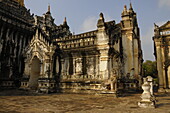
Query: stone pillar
{"type": "Point", "coordinates": [57, 65]}
{"type": "Point", "coordinates": [74, 64]}
{"type": "Point", "coordinates": [146, 101]}
{"type": "Point", "coordinates": [41, 69]}
{"type": "Point", "coordinates": [67, 66]}
{"type": "Point", "coordinates": [168, 72]}
{"type": "Point", "coordinates": [103, 66]}
{"type": "Point", "coordinates": [96, 66]}
{"type": "Point", "coordinates": [159, 66]}
{"type": "Point", "coordinates": [16, 44]}
{"type": "Point", "coordinates": [163, 67]}
{"type": "Point", "coordinates": [62, 68]}
{"type": "Point", "coordinates": [136, 58]}
{"type": "Point", "coordinates": [51, 68]}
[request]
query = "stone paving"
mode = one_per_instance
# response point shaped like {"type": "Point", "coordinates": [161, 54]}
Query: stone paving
{"type": "Point", "coordinates": [18, 101]}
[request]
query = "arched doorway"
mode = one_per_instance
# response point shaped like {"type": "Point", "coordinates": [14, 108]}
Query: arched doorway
{"type": "Point", "coordinates": [35, 73]}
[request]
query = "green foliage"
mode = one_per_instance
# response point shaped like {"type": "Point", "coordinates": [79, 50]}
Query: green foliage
{"type": "Point", "coordinates": [150, 69]}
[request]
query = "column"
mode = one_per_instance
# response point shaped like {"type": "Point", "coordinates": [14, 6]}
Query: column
{"type": "Point", "coordinates": [159, 65]}
{"type": "Point", "coordinates": [51, 68]}
{"type": "Point", "coordinates": [168, 73]}
{"type": "Point", "coordinates": [41, 69]}
{"type": "Point", "coordinates": [103, 64]}
{"type": "Point", "coordinates": [67, 66]}
{"type": "Point", "coordinates": [96, 66]}
{"type": "Point", "coordinates": [136, 58]}
{"type": "Point", "coordinates": [62, 67]}
{"type": "Point", "coordinates": [74, 64]}
{"type": "Point", "coordinates": [57, 65]}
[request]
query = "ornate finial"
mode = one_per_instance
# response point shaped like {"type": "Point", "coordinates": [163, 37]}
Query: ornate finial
{"type": "Point", "coordinates": [131, 8]}
{"type": "Point", "coordinates": [101, 16]}
{"type": "Point", "coordinates": [125, 8]}
{"type": "Point", "coordinates": [101, 20]}
{"type": "Point", "coordinates": [155, 26]}
{"type": "Point", "coordinates": [48, 12]}
{"type": "Point", "coordinates": [48, 7]}
{"type": "Point", "coordinates": [65, 21]}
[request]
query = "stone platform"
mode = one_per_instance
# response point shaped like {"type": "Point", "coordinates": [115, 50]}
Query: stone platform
{"type": "Point", "coordinates": [19, 101]}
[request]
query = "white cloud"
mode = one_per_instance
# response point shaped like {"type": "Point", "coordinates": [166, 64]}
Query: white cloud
{"type": "Point", "coordinates": [90, 23]}
{"type": "Point", "coordinates": [163, 3]}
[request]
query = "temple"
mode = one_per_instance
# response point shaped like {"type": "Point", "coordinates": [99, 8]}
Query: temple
{"type": "Point", "coordinates": [49, 58]}
{"type": "Point", "coordinates": [162, 54]}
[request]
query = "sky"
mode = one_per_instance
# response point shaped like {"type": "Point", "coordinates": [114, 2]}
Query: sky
{"type": "Point", "coordinates": [82, 15]}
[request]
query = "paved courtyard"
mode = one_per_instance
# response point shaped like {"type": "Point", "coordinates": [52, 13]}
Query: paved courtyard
{"type": "Point", "coordinates": [17, 101]}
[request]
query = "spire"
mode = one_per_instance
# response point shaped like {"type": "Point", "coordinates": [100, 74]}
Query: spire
{"type": "Point", "coordinates": [124, 12]}
{"type": "Point", "coordinates": [101, 16]}
{"type": "Point", "coordinates": [49, 12]}
{"type": "Point", "coordinates": [65, 21]}
{"type": "Point", "coordinates": [101, 22]}
{"type": "Point", "coordinates": [125, 8]}
{"type": "Point", "coordinates": [131, 8]}
{"type": "Point", "coordinates": [48, 7]}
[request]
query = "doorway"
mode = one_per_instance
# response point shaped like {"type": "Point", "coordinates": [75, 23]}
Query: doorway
{"type": "Point", "coordinates": [34, 73]}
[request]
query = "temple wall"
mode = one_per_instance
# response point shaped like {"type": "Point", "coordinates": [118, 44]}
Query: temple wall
{"type": "Point", "coordinates": [161, 45]}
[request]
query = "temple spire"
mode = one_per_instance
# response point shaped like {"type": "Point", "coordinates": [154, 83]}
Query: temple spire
{"type": "Point", "coordinates": [125, 8]}
{"type": "Point", "coordinates": [131, 8]}
{"type": "Point", "coordinates": [49, 8]}
{"type": "Point", "coordinates": [65, 21]}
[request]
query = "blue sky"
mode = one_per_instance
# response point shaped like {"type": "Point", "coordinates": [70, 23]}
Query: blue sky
{"type": "Point", "coordinates": [82, 15]}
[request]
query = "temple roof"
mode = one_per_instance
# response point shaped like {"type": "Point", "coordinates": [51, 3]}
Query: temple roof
{"type": "Point", "coordinates": [21, 2]}
{"type": "Point", "coordinates": [166, 25]}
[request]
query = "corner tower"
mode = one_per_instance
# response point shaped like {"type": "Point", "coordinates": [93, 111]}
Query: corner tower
{"type": "Point", "coordinates": [132, 53]}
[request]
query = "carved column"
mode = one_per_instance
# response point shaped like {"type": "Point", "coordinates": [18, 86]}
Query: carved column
{"type": "Point", "coordinates": [159, 66]}
{"type": "Point", "coordinates": [96, 66]}
{"type": "Point", "coordinates": [16, 44]}
{"type": "Point", "coordinates": [168, 73]}
{"type": "Point", "coordinates": [41, 69]}
{"type": "Point", "coordinates": [57, 65]}
{"type": "Point", "coordinates": [51, 68]}
{"type": "Point", "coordinates": [163, 66]}
{"type": "Point", "coordinates": [74, 64]}
{"type": "Point", "coordinates": [67, 66]}
{"type": "Point", "coordinates": [47, 68]}
{"type": "Point", "coordinates": [62, 67]}
{"type": "Point", "coordinates": [104, 64]}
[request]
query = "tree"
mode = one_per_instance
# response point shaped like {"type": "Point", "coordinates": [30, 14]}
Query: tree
{"type": "Point", "coordinates": [150, 69]}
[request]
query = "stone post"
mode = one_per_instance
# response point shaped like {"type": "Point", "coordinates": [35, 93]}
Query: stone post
{"type": "Point", "coordinates": [146, 101]}
{"type": "Point", "coordinates": [150, 80]}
